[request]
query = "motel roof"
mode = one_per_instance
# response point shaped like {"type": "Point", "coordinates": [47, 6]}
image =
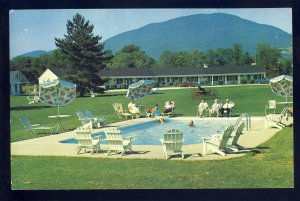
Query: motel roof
{"type": "Point", "coordinates": [182, 71]}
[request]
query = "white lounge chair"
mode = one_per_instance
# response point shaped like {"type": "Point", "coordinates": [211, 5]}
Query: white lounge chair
{"type": "Point", "coordinates": [85, 140]}
{"type": "Point", "coordinates": [271, 105]}
{"type": "Point", "coordinates": [98, 121]}
{"type": "Point", "coordinates": [33, 100]}
{"type": "Point", "coordinates": [35, 127]}
{"type": "Point", "coordinates": [116, 142]}
{"type": "Point", "coordinates": [172, 143]}
{"type": "Point", "coordinates": [93, 95]}
{"type": "Point", "coordinates": [120, 111]}
{"type": "Point", "coordinates": [217, 145]}
{"type": "Point", "coordinates": [273, 120]}
{"type": "Point", "coordinates": [81, 117]}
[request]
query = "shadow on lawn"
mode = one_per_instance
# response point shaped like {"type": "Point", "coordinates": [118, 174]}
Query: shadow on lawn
{"type": "Point", "coordinates": [28, 107]}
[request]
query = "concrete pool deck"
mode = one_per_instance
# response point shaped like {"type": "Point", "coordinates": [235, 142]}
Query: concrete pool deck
{"type": "Point", "coordinates": [50, 146]}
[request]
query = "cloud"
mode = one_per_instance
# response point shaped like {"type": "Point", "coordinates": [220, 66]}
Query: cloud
{"type": "Point", "coordinates": [25, 29]}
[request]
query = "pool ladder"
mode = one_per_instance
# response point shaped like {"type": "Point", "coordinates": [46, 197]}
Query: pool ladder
{"type": "Point", "coordinates": [248, 121]}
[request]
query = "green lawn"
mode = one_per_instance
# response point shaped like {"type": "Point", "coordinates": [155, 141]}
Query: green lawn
{"type": "Point", "coordinates": [248, 99]}
{"type": "Point", "coordinates": [268, 166]}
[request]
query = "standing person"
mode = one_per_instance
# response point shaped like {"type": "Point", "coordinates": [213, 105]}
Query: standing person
{"type": "Point", "coordinates": [227, 107]}
{"type": "Point", "coordinates": [133, 109]}
{"type": "Point", "coordinates": [202, 106]}
{"type": "Point", "coordinates": [215, 108]}
{"type": "Point", "coordinates": [157, 115]}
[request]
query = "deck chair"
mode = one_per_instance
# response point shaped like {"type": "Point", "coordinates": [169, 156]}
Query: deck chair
{"type": "Point", "coordinates": [120, 111]}
{"type": "Point", "coordinates": [98, 121]}
{"type": "Point", "coordinates": [93, 95]}
{"type": "Point", "coordinates": [33, 100]}
{"type": "Point", "coordinates": [172, 143]}
{"type": "Point", "coordinates": [171, 113]}
{"type": "Point", "coordinates": [116, 142]}
{"type": "Point", "coordinates": [35, 127]}
{"type": "Point", "coordinates": [81, 117]}
{"type": "Point", "coordinates": [85, 140]}
{"type": "Point", "coordinates": [273, 120]}
{"type": "Point", "coordinates": [271, 105]}
{"type": "Point", "coordinates": [217, 145]}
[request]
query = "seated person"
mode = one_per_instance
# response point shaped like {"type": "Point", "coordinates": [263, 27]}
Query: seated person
{"type": "Point", "coordinates": [215, 108]}
{"type": "Point", "coordinates": [202, 106]}
{"type": "Point", "coordinates": [169, 106]}
{"type": "Point", "coordinates": [191, 123]}
{"type": "Point", "coordinates": [227, 107]}
{"type": "Point", "coordinates": [156, 114]}
{"type": "Point", "coordinates": [133, 109]}
{"type": "Point", "coordinates": [149, 112]}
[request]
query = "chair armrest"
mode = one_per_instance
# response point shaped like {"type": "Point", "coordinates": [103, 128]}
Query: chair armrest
{"type": "Point", "coordinates": [129, 138]}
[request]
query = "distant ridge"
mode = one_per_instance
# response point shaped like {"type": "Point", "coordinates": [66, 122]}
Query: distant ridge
{"type": "Point", "coordinates": [200, 32]}
{"type": "Point", "coordinates": [36, 53]}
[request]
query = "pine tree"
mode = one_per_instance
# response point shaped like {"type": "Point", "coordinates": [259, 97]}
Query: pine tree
{"type": "Point", "coordinates": [85, 54]}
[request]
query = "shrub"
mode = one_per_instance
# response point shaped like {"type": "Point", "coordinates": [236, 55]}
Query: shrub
{"type": "Point", "coordinates": [175, 83]}
{"type": "Point", "coordinates": [220, 82]}
{"type": "Point", "coordinates": [169, 84]}
{"type": "Point", "coordinates": [155, 84]}
{"type": "Point", "coordinates": [113, 86]}
{"type": "Point", "coordinates": [243, 81]}
{"type": "Point", "coordinates": [162, 84]}
{"type": "Point", "coordinates": [204, 82]}
{"type": "Point", "coordinates": [123, 85]}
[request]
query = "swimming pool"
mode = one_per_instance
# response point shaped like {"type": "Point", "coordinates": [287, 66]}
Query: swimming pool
{"type": "Point", "coordinates": [149, 133]}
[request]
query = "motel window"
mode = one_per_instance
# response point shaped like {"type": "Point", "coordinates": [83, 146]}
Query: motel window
{"type": "Point", "coordinates": [232, 77]}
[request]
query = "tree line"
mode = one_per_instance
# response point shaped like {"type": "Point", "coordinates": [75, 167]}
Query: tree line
{"type": "Point", "coordinates": [83, 52]}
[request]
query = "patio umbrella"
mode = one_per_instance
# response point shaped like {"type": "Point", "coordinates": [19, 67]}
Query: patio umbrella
{"type": "Point", "coordinates": [57, 93]}
{"type": "Point", "coordinates": [282, 86]}
{"type": "Point", "coordinates": [139, 89]}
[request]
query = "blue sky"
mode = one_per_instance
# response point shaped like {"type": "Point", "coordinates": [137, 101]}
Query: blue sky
{"type": "Point", "coordinates": [32, 30]}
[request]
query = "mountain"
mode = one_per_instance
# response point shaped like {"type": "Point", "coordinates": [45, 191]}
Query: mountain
{"type": "Point", "coordinates": [200, 32]}
{"type": "Point", "coordinates": [36, 53]}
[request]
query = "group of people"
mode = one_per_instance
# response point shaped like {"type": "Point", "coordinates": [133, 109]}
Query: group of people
{"type": "Point", "coordinates": [216, 109]}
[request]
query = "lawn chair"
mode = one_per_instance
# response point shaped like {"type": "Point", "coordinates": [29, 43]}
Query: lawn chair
{"type": "Point", "coordinates": [93, 95]}
{"type": "Point", "coordinates": [85, 140]}
{"type": "Point", "coordinates": [98, 121]}
{"type": "Point", "coordinates": [271, 105]}
{"type": "Point", "coordinates": [169, 113]}
{"type": "Point", "coordinates": [81, 117]}
{"type": "Point", "coordinates": [35, 127]}
{"type": "Point", "coordinates": [172, 143]}
{"type": "Point", "coordinates": [33, 100]}
{"type": "Point", "coordinates": [273, 120]}
{"type": "Point", "coordinates": [232, 142]}
{"type": "Point", "coordinates": [120, 111]}
{"type": "Point", "coordinates": [217, 145]}
{"type": "Point", "coordinates": [116, 142]}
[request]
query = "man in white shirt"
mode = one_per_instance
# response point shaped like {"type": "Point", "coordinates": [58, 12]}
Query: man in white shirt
{"type": "Point", "coordinates": [202, 107]}
{"type": "Point", "coordinates": [227, 107]}
{"type": "Point", "coordinates": [215, 108]}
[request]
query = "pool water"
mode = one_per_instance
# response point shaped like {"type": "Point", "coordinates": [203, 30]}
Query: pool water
{"type": "Point", "coordinates": [149, 133]}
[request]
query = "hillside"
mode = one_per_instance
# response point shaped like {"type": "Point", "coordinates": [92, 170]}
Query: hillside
{"type": "Point", "coordinates": [202, 32]}
{"type": "Point", "coordinates": [35, 53]}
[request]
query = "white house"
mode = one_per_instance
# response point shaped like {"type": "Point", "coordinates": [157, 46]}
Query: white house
{"type": "Point", "coordinates": [47, 76]}
{"type": "Point", "coordinates": [17, 79]}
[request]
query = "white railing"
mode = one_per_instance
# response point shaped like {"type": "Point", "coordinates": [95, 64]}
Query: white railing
{"type": "Point", "coordinates": [247, 118]}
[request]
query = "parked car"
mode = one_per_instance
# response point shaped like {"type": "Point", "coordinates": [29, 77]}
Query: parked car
{"type": "Point", "coordinates": [186, 84]}
{"type": "Point", "coordinates": [263, 81]}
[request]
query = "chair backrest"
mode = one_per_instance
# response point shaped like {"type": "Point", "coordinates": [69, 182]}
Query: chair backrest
{"type": "Point", "coordinates": [238, 133]}
{"type": "Point", "coordinates": [173, 140]}
{"type": "Point", "coordinates": [114, 138]}
{"type": "Point", "coordinates": [25, 122]}
{"type": "Point", "coordinates": [226, 136]}
{"type": "Point", "coordinates": [283, 113]}
{"type": "Point", "coordinates": [82, 118]}
{"type": "Point", "coordinates": [118, 108]}
{"type": "Point", "coordinates": [84, 134]}
{"type": "Point", "coordinates": [88, 114]}
{"type": "Point", "coordinates": [271, 104]}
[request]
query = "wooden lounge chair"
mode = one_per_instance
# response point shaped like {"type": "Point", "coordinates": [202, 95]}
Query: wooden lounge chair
{"type": "Point", "coordinates": [271, 105]}
{"type": "Point", "coordinates": [116, 142]}
{"type": "Point", "coordinates": [216, 145]}
{"type": "Point", "coordinates": [35, 127]}
{"type": "Point", "coordinates": [232, 142]}
{"type": "Point", "coordinates": [120, 111]}
{"type": "Point", "coordinates": [85, 140]}
{"type": "Point", "coordinates": [172, 143]}
{"type": "Point", "coordinates": [273, 120]}
{"type": "Point", "coordinates": [98, 121]}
